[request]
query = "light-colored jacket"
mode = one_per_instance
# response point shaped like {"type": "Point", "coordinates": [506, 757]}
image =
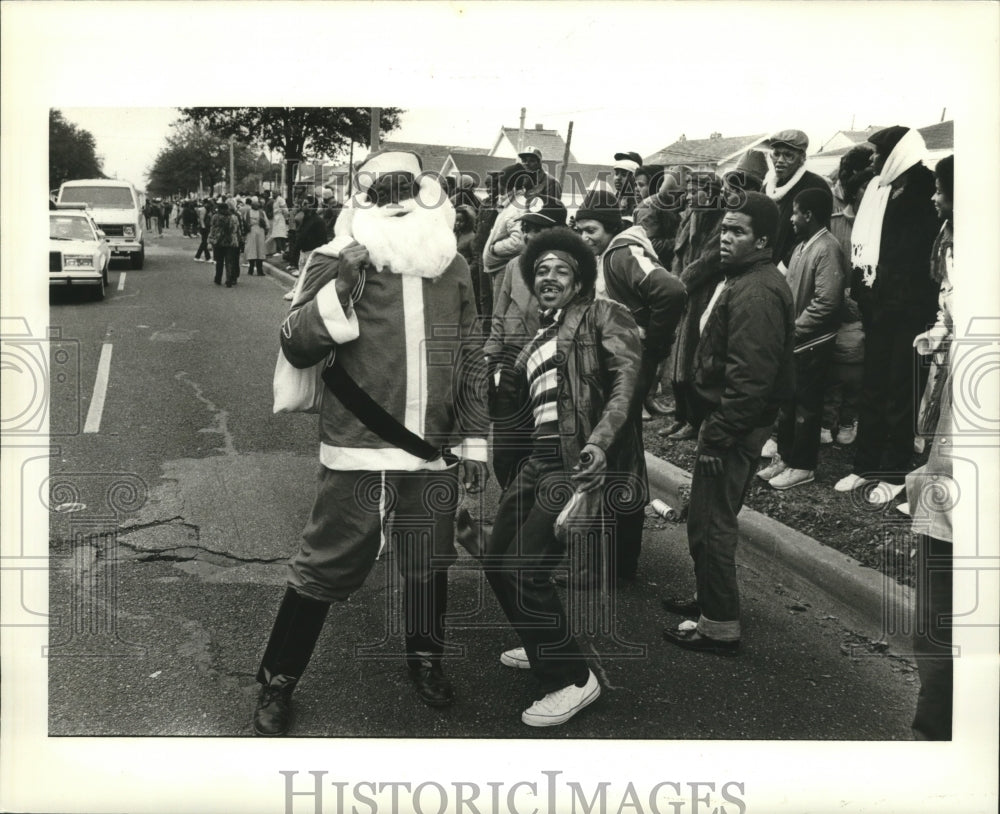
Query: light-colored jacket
{"type": "Point", "coordinates": [506, 239]}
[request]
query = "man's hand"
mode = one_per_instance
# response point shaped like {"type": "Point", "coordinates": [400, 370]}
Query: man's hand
{"type": "Point", "coordinates": [591, 469]}
{"type": "Point", "coordinates": [474, 474]}
{"type": "Point", "coordinates": [709, 465]}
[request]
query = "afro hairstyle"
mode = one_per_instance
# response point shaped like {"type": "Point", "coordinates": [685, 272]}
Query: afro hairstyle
{"type": "Point", "coordinates": [560, 239]}
{"type": "Point", "coordinates": [944, 171]}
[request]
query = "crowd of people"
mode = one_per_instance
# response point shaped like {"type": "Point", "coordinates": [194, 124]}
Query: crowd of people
{"type": "Point", "coordinates": [764, 301]}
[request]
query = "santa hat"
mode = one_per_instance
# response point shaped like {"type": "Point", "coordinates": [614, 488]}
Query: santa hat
{"type": "Point", "coordinates": [385, 162]}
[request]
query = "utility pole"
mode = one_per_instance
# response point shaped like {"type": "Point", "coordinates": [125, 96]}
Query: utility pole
{"type": "Point", "coordinates": [350, 173]}
{"type": "Point", "coordinates": [943, 111]}
{"type": "Point", "coordinates": [520, 132]}
{"type": "Point", "coordinates": [565, 161]}
{"type": "Point", "coordinates": [232, 166]}
{"type": "Point", "coordinates": [376, 120]}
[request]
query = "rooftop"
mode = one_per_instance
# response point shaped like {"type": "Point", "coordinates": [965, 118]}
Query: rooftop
{"type": "Point", "coordinates": [551, 144]}
{"type": "Point", "coordinates": [705, 150]}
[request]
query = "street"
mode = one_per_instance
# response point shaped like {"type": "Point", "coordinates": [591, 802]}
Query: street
{"type": "Point", "coordinates": [178, 502]}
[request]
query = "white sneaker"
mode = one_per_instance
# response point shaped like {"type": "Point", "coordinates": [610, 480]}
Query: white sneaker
{"type": "Point", "coordinates": [776, 467]}
{"type": "Point", "coordinates": [846, 435]}
{"type": "Point", "coordinates": [289, 296]}
{"type": "Point", "coordinates": [884, 493]}
{"type": "Point", "coordinates": [559, 706]}
{"type": "Point", "coordinates": [770, 448]}
{"type": "Point", "coordinates": [518, 657]}
{"type": "Point", "coordinates": [848, 483]}
{"type": "Point", "coordinates": [792, 477]}
{"type": "Point", "coordinates": [825, 436]}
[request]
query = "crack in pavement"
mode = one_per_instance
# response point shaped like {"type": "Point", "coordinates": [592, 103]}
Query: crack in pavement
{"type": "Point", "coordinates": [164, 555]}
{"type": "Point", "coordinates": [220, 425]}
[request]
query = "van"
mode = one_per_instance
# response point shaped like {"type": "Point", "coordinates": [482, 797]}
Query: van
{"type": "Point", "coordinates": [116, 208]}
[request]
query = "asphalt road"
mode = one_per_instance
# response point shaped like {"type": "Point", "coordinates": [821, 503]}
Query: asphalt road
{"type": "Point", "coordinates": [172, 521]}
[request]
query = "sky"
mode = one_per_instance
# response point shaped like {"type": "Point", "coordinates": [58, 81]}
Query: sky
{"type": "Point", "coordinates": [129, 139]}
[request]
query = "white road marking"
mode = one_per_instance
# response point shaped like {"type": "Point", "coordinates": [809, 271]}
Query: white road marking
{"type": "Point", "coordinates": [121, 281]}
{"type": "Point", "coordinates": [93, 423]}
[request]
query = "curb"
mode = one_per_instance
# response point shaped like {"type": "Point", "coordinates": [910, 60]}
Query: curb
{"type": "Point", "coordinates": [279, 274]}
{"type": "Point", "coordinates": [881, 602]}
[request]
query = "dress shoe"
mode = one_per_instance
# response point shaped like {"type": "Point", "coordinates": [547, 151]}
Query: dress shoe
{"type": "Point", "coordinates": [559, 706]}
{"type": "Point", "coordinates": [655, 406]}
{"type": "Point", "coordinates": [685, 433]}
{"type": "Point", "coordinates": [433, 688]}
{"type": "Point", "coordinates": [693, 640]}
{"type": "Point", "coordinates": [273, 715]}
{"type": "Point", "coordinates": [682, 605]}
{"type": "Point", "coordinates": [668, 431]}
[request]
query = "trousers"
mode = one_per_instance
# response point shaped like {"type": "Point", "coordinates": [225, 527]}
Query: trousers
{"type": "Point", "coordinates": [342, 537]}
{"type": "Point", "coordinates": [932, 639]}
{"type": "Point", "coordinates": [799, 420]}
{"type": "Point", "coordinates": [519, 559]}
{"type": "Point", "coordinates": [713, 534]}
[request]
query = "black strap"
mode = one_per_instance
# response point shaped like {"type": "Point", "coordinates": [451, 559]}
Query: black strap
{"type": "Point", "coordinates": [374, 417]}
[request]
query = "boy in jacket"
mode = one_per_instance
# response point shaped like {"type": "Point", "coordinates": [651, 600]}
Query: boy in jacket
{"type": "Point", "coordinates": [742, 373]}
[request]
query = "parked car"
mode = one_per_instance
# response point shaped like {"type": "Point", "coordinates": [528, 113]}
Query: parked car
{"type": "Point", "coordinates": [116, 207]}
{"type": "Point", "coordinates": [78, 250]}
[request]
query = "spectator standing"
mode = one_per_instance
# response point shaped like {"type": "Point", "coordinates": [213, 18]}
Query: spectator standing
{"type": "Point", "coordinates": [697, 266]}
{"type": "Point", "coordinates": [485, 219]}
{"type": "Point", "coordinates": [658, 216]}
{"type": "Point", "coordinates": [892, 284]}
{"type": "Point", "coordinates": [205, 212]}
{"type": "Point", "coordinates": [817, 276]}
{"type": "Point", "coordinates": [541, 184]}
{"type": "Point", "coordinates": [279, 223]}
{"type": "Point", "coordinates": [628, 272]}
{"type": "Point", "coordinates": [311, 233]}
{"type": "Point", "coordinates": [505, 240]}
{"type": "Point", "coordinates": [256, 226]}
{"type": "Point", "coordinates": [225, 237]}
{"type": "Point", "coordinates": [465, 221]}
{"type": "Point", "coordinates": [788, 178]}
{"type": "Point", "coordinates": [147, 211]}
{"type": "Point", "coordinates": [465, 195]}
{"type": "Point", "coordinates": [743, 370]}
{"type": "Point", "coordinates": [932, 493]}
{"type": "Point", "coordinates": [624, 169]}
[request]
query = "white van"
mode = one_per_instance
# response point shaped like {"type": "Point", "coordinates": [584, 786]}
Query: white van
{"type": "Point", "coordinates": [116, 208]}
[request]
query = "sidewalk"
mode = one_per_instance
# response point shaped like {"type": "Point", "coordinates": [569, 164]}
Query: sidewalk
{"type": "Point", "coordinates": [884, 605]}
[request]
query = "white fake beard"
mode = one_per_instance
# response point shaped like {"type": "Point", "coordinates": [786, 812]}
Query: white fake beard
{"type": "Point", "coordinates": [420, 243]}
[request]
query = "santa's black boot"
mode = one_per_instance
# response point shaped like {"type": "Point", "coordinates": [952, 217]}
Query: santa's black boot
{"type": "Point", "coordinates": [293, 637]}
{"type": "Point", "coordinates": [425, 606]}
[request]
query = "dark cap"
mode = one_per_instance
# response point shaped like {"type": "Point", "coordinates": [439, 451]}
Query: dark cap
{"type": "Point", "coordinates": [545, 211]}
{"type": "Point", "coordinates": [885, 140]}
{"type": "Point", "coordinates": [795, 139]}
{"type": "Point", "coordinates": [629, 157]}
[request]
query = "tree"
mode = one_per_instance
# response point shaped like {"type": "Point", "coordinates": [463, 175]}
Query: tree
{"type": "Point", "coordinates": [194, 154]}
{"type": "Point", "coordinates": [72, 152]}
{"type": "Point", "coordinates": [298, 133]}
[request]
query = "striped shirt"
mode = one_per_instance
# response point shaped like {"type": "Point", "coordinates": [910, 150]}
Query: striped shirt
{"type": "Point", "coordinates": [541, 367]}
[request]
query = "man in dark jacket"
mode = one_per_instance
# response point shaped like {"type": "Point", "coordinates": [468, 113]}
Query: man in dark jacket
{"type": "Point", "coordinates": [541, 184]}
{"type": "Point", "coordinates": [575, 383]}
{"type": "Point", "coordinates": [629, 272]}
{"type": "Point", "coordinates": [742, 373]}
{"type": "Point", "coordinates": [890, 252]}
{"type": "Point", "coordinates": [788, 179]}
{"type": "Point", "coordinates": [485, 218]}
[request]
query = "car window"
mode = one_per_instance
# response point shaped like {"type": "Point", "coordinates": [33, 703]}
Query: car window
{"type": "Point", "coordinates": [64, 227]}
{"type": "Point", "coordinates": [99, 197]}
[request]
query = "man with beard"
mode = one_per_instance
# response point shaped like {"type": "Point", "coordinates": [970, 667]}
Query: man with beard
{"type": "Point", "coordinates": [575, 381]}
{"type": "Point", "coordinates": [389, 295]}
{"type": "Point", "coordinates": [788, 178]}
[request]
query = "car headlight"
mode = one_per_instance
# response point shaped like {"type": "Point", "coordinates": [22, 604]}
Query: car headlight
{"type": "Point", "coordinates": [78, 261]}
{"type": "Point", "coordinates": [128, 231]}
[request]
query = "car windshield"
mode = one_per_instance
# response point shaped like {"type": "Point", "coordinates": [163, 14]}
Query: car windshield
{"type": "Point", "coordinates": [65, 227]}
{"type": "Point", "coordinates": [99, 197]}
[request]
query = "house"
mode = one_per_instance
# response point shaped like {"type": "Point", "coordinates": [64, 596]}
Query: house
{"type": "Point", "coordinates": [712, 154]}
{"type": "Point", "coordinates": [312, 177]}
{"type": "Point", "coordinates": [475, 164]}
{"type": "Point", "coordinates": [848, 138]}
{"type": "Point", "coordinates": [432, 156]}
{"type": "Point", "coordinates": [939, 138]}
{"type": "Point", "coordinates": [548, 141]}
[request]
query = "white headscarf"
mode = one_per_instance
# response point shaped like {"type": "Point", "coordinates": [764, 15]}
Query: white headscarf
{"type": "Point", "coordinates": [866, 237]}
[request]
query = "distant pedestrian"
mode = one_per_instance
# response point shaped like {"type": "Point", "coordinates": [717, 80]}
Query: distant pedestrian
{"type": "Point", "coordinates": [225, 238]}
{"type": "Point", "coordinates": [256, 226]}
{"type": "Point", "coordinates": [279, 223]}
{"type": "Point", "coordinates": [205, 212]}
